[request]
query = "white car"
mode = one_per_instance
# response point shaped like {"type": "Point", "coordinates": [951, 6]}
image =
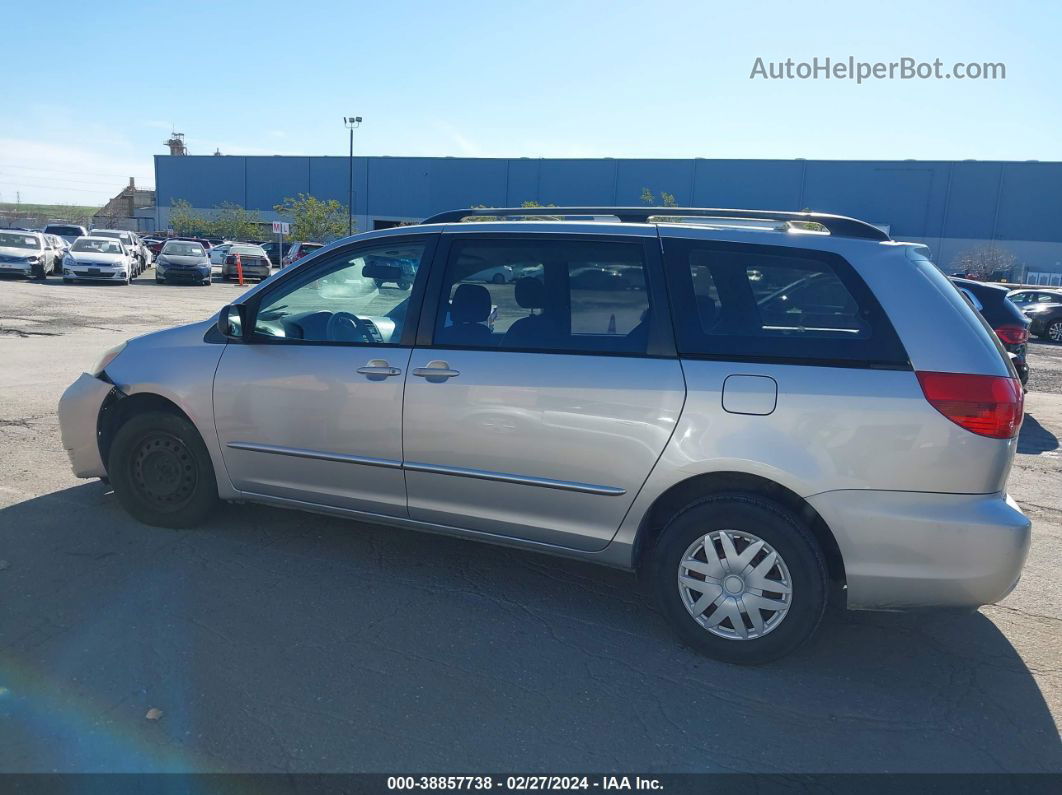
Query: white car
{"type": "Point", "coordinates": [130, 242]}
{"type": "Point", "coordinates": [25, 253]}
{"type": "Point", "coordinates": [94, 258]}
{"type": "Point", "coordinates": [219, 252]}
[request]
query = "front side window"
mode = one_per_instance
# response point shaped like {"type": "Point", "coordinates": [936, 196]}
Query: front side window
{"type": "Point", "coordinates": [545, 296]}
{"type": "Point", "coordinates": [360, 296]}
{"type": "Point", "coordinates": [774, 302]}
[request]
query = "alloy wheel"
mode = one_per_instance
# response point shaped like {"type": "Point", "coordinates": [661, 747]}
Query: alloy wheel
{"type": "Point", "coordinates": [1054, 331]}
{"type": "Point", "coordinates": [734, 584]}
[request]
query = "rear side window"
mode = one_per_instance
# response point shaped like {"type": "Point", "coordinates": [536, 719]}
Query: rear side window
{"type": "Point", "coordinates": [561, 295]}
{"type": "Point", "coordinates": [776, 303]}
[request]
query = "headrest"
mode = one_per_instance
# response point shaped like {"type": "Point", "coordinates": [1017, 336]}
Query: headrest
{"type": "Point", "coordinates": [470, 304]}
{"type": "Point", "coordinates": [530, 293]}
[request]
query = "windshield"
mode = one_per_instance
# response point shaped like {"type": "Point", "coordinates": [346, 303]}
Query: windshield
{"type": "Point", "coordinates": [68, 231]}
{"type": "Point", "coordinates": [183, 250]}
{"type": "Point", "coordinates": [15, 240]}
{"type": "Point", "coordinates": [97, 246]}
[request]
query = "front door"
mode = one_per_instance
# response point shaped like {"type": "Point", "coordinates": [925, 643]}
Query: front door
{"type": "Point", "coordinates": [310, 407]}
{"type": "Point", "coordinates": [536, 408]}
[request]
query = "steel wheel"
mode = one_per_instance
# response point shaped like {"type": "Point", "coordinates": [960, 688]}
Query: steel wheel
{"type": "Point", "coordinates": [1054, 331]}
{"type": "Point", "coordinates": [735, 585]}
{"type": "Point", "coordinates": [163, 471]}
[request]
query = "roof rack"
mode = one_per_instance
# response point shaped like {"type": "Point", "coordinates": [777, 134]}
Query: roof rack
{"type": "Point", "coordinates": [836, 225]}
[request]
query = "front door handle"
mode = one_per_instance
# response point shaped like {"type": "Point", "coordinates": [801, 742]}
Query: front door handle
{"type": "Point", "coordinates": [378, 369]}
{"type": "Point", "coordinates": [437, 370]}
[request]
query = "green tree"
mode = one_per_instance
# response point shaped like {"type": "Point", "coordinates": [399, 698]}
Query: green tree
{"type": "Point", "coordinates": [313, 219]}
{"type": "Point", "coordinates": [187, 222]}
{"type": "Point", "coordinates": [234, 222]}
{"type": "Point", "coordinates": [666, 199]}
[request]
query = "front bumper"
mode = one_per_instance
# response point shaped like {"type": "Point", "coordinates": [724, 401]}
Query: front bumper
{"type": "Point", "coordinates": [79, 412]}
{"type": "Point", "coordinates": [103, 273]}
{"type": "Point", "coordinates": [184, 274]}
{"type": "Point", "coordinates": [18, 268]}
{"type": "Point", "coordinates": [914, 549]}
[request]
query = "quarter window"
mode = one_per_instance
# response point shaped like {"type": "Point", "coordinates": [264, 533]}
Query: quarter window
{"type": "Point", "coordinates": [358, 297]}
{"type": "Point", "coordinates": [545, 295]}
{"type": "Point", "coordinates": [773, 302]}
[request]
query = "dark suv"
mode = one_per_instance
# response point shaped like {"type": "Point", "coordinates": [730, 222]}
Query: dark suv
{"type": "Point", "coordinates": [1005, 318]}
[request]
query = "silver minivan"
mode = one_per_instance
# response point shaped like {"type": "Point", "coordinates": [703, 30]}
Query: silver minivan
{"type": "Point", "coordinates": [763, 413]}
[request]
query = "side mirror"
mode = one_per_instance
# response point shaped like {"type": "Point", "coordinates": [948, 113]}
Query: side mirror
{"type": "Point", "coordinates": [232, 321]}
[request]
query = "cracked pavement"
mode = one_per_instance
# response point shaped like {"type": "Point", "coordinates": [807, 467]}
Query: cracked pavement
{"type": "Point", "coordinates": [275, 641]}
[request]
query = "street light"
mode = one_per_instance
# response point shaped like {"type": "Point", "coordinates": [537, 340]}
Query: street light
{"type": "Point", "coordinates": [351, 123]}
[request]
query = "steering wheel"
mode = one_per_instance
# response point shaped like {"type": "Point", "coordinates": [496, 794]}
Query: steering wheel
{"type": "Point", "coordinates": [348, 327]}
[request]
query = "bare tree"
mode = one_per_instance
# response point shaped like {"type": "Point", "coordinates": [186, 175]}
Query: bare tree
{"type": "Point", "coordinates": [984, 262]}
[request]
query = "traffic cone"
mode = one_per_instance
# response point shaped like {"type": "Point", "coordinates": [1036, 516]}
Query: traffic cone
{"type": "Point", "coordinates": [239, 269]}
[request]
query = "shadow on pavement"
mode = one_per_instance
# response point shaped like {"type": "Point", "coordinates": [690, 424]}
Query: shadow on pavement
{"type": "Point", "coordinates": [1035, 438]}
{"type": "Point", "coordinates": [279, 641]}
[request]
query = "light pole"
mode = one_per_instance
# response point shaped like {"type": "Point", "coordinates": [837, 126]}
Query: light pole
{"type": "Point", "coordinates": [351, 122]}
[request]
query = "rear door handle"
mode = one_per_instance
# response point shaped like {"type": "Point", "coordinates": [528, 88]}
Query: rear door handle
{"type": "Point", "coordinates": [437, 369]}
{"type": "Point", "coordinates": [378, 369]}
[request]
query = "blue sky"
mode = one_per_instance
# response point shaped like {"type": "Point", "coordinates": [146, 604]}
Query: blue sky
{"type": "Point", "coordinates": [89, 106]}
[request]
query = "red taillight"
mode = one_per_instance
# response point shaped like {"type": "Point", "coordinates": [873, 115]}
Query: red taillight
{"type": "Point", "coordinates": [988, 405]}
{"type": "Point", "coordinates": [1012, 335]}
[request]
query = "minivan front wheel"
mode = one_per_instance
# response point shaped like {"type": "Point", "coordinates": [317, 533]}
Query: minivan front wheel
{"type": "Point", "coordinates": [161, 471]}
{"type": "Point", "coordinates": [740, 577]}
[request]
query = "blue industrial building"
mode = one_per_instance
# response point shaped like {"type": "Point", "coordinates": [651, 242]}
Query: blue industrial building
{"type": "Point", "coordinates": [949, 205]}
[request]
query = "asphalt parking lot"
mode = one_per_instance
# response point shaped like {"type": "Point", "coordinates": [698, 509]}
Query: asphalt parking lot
{"type": "Point", "coordinates": [275, 641]}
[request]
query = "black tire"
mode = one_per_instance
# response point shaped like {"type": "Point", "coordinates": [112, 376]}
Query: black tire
{"type": "Point", "coordinates": [379, 283]}
{"type": "Point", "coordinates": [159, 279]}
{"type": "Point", "coordinates": [1055, 328]}
{"type": "Point", "coordinates": [161, 471]}
{"type": "Point", "coordinates": [404, 285]}
{"type": "Point", "coordinates": [789, 536]}
{"type": "Point", "coordinates": [498, 278]}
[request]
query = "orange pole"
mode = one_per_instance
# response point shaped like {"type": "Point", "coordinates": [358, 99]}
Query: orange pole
{"type": "Point", "coordinates": [239, 269]}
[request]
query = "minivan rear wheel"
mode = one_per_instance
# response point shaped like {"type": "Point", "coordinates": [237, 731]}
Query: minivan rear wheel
{"type": "Point", "coordinates": [161, 471]}
{"type": "Point", "coordinates": [740, 577]}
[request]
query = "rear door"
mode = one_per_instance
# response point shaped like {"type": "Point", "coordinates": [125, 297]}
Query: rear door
{"type": "Point", "coordinates": [536, 407]}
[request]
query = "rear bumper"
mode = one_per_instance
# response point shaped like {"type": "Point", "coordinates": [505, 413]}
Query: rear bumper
{"type": "Point", "coordinates": [913, 549]}
{"type": "Point", "coordinates": [79, 411]}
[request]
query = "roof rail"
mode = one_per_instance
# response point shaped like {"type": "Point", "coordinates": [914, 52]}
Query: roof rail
{"type": "Point", "coordinates": [836, 225]}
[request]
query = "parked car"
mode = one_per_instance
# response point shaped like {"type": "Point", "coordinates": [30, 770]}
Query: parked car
{"type": "Point", "coordinates": [58, 248]}
{"type": "Point", "coordinates": [1044, 310]}
{"type": "Point", "coordinates": [253, 261]}
{"type": "Point", "coordinates": [220, 251]}
{"type": "Point", "coordinates": [851, 446]}
{"type": "Point", "coordinates": [99, 258]}
{"type": "Point", "coordinates": [272, 250]}
{"type": "Point", "coordinates": [182, 260]}
{"type": "Point", "coordinates": [68, 232]}
{"type": "Point", "coordinates": [497, 274]}
{"type": "Point", "coordinates": [128, 240]}
{"type": "Point", "coordinates": [26, 253]}
{"type": "Point", "coordinates": [298, 250]}
{"type": "Point", "coordinates": [155, 244]}
{"type": "Point", "coordinates": [1005, 318]}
